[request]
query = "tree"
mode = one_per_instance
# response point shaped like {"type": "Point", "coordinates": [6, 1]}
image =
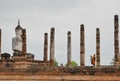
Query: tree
{"type": "Point", "coordinates": [55, 62]}
{"type": "Point", "coordinates": [113, 61]}
{"type": "Point", "coordinates": [73, 64]}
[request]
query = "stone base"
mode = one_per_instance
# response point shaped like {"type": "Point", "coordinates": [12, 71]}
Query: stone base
{"type": "Point", "coordinates": [30, 56]}
{"type": "Point", "coordinates": [17, 53]}
{"type": "Point", "coordinates": [18, 58]}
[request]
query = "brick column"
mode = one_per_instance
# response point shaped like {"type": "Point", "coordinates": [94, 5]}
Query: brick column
{"type": "Point", "coordinates": [52, 46]}
{"type": "Point", "coordinates": [0, 42]}
{"type": "Point", "coordinates": [98, 47]}
{"type": "Point", "coordinates": [82, 46]}
{"type": "Point", "coordinates": [69, 48]}
{"type": "Point", "coordinates": [45, 47]}
{"type": "Point", "coordinates": [116, 37]}
{"type": "Point", "coordinates": [24, 48]}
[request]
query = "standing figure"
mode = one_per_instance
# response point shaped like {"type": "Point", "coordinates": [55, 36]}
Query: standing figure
{"type": "Point", "coordinates": [92, 60]}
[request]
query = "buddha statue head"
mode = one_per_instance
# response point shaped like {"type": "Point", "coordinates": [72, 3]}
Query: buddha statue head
{"type": "Point", "coordinates": [18, 30]}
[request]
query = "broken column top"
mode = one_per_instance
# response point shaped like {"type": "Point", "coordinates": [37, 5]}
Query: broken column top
{"type": "Point", "coordinates": [97, 29]}
{"type": "Point", "coordinates": [82, 27]}
{"type": "Point", "coordinates": [52, 29]}
{"type": "Point", "coordinates": [69, 32]}
{"type": "Point", "coordinates": [116, 17]}
{"type": "Point", "coordinates": [24, 31]}
{"type": "Point", "coordinates": [46, 34]}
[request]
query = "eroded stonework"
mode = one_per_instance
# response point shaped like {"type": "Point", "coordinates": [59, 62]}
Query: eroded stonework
{"type": "Point", "coordinates": [23, 67]}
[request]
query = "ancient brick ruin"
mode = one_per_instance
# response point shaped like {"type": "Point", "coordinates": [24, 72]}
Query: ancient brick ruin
{"type": "Point", "coordinates": [22, 66]}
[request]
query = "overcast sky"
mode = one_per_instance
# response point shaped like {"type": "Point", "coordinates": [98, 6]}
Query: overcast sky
{"type": "Point", "coordinates": [38, 16]}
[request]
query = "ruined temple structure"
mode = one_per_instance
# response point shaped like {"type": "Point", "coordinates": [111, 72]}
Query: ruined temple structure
{"type": "Point", "coordinates": [21, 65]}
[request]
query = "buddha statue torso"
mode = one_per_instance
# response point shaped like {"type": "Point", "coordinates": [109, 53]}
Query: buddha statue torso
{"type": "Point", "coordinates": [17, 41]}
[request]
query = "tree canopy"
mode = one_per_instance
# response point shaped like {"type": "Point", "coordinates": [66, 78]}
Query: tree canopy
{"type": "Point", "coordinates": [55, 62]}
{"type": "Point", "coordinates": [73, 64]}
{"type": "Point", "coordinates": [113, 61]}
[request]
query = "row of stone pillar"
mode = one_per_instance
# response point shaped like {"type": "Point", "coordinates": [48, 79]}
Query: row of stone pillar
{"type": "Point", "coordinates": [52, 46]}
{"type": "Point", "coordinates": [82, 46]}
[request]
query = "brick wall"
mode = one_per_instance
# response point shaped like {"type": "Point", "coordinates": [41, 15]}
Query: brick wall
{"type": "Point", "coordinates": [35, 71]}
{"type": "Point", "coordinates": [57, 78]}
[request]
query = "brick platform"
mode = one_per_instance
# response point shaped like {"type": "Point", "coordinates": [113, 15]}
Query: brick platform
{"type": "Point", "coordinates": [58, 78]}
